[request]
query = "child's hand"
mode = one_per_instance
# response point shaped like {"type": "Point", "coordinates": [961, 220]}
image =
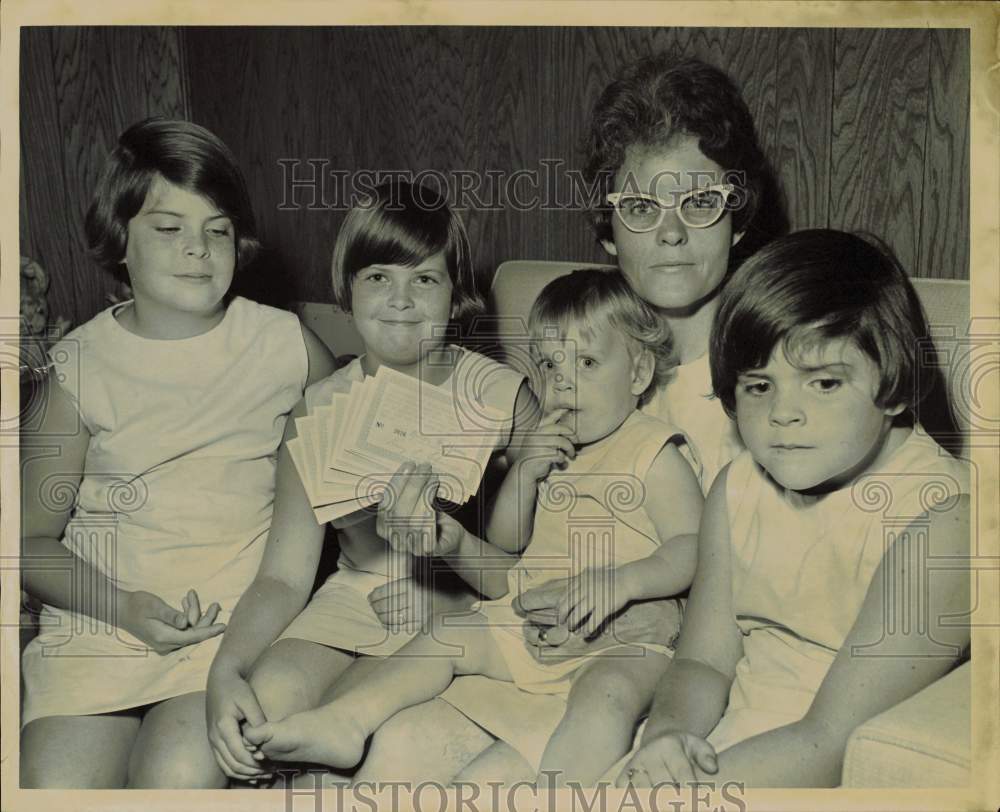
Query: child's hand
{"type": "Point", "coordinates": [670, 758]}
{"type": "Point", "coordinates": [548, 446]}
{"type": "Point", "coordinates": [229, 702]}
{"type": "Point", "coordinates": [407, 603]}
{"type": "Point", "coordinates": [162, 628]}
{"type": "Point", "coordinates": [191, 607]}
{"type": "Point", "coordinates": [407, 519]}
{"type": "Point", "coordinates": [589, 598]}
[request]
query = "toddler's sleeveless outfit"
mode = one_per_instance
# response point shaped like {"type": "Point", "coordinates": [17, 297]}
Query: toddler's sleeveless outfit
{"type": "Point", "coordinates": [591, 514]}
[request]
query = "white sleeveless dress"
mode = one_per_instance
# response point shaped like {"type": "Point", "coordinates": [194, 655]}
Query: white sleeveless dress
{"type": "Point", "coordinates": [591, 514]}
{"type": "Point", "coordinates": [688, 403]}
{"type": "Point", "coordinates": [176, 494]}
{"type": "Point", "coordinates": [339, 614]}
{"type": "Point", "coordinates": [801, 570]}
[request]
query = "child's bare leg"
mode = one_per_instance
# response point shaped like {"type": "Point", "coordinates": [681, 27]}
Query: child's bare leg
{"type": "Point", "coordinates": [78, 752]}
{"type": "Point", "coordinates": [335, 733]}
{"type": "Point", "coordinates": [605, 703]}
{"type": "Point", "coordinates": [292, 676]}
{"type": "Point", "coordinates": [172, 749]}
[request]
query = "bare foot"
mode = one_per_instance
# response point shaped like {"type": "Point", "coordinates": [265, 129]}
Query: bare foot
{"type": "Point", "coordinates": [325, 735]}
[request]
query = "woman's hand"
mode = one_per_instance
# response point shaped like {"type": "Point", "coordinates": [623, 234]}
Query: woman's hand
{"type": "Point", "coordinates": [672, 758]}
{"type": "Point", "coordinates": [642, 622]}
{"type": "Point", "coordinates": [407, 519]}
{"type": "Point", "coordinates": [229, 703]}
{"type": "Point", "coordinates": [589, 598]}
{"type": "Point", "coordinates": [163, 628]}
{"type": "Point", "coordinates": [408, 603]}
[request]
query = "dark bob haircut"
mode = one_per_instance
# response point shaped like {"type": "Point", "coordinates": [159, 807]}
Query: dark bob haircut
{"type": "Point", "coordinates": [654, 101]}
{"type": "Point", "coordinates": [590, 299]}
{"type": "Point", "coordinates": [405, 224]}
{"type": "Point", "coordinates": [814, 286]}
{"type": "Point", "coordinates": [182, 153]}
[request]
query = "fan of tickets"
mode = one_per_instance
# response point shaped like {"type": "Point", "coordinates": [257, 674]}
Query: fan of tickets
{"type": "Point", "coordinates": [347, 452]}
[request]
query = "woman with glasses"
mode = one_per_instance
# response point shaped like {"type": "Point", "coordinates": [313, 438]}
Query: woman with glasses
{"type": "Point", "coordinates": [675, 156]}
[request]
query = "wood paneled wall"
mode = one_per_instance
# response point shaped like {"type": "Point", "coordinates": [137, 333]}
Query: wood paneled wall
{"type": "Point", "coordinates": [80, 87]}
{"type": "Point", "coordinates": [866, 128]}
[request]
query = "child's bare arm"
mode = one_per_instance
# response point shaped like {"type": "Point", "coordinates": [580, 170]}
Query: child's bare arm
{"type": "Point", "coordinates": [694, 692]}
{"type": "Point", "coordinates": [277, 594]}
{"type": "Point", "coordinates": [858, 687]}
{"type": "Point", "coordinates": [320, 359]}
{"type": "Point", "coordinates": [674, 503]}
{"type": "Point", "coordinates": [54, 444]}
{"type": "Point", "coordinates": [692, 695]}
{"type": "Point", "coordinates": [513, 512]}
{"type": "Point", "coordinates": [810, 752]}
{"type": "Point", "coordinates": [403, 522]}
{"type": "Point", "coordinates": [287, 570]}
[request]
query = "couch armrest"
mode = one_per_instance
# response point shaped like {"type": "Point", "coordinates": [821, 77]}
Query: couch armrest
{"type": "Point", "coordinates": [924, 741]}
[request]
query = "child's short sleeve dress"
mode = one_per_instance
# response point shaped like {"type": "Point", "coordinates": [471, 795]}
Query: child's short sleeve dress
{"type": "Point", "coordinates": [176, 494]}
{"type": "Point", "coordinates": [592, 514]}
{"type": "Point", "coordinates": [339, 614]}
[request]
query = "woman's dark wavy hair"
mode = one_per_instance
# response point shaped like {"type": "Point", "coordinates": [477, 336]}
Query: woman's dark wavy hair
{"type": "Point", "coordinates": [182, 153]}
{"type": "Point", "coordinates": [404, 224]}
{"type": "Point", "coordinates": [813, 286]}
{"type": "Point", "coordinates": [659, 98]}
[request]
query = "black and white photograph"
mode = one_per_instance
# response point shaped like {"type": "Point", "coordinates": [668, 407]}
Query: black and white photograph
{"type": "Point", "coordinates": [483, 406]}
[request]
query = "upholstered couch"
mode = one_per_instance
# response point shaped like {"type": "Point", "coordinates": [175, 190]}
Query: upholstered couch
{"type": "Point", "coordinates": [922, 742]}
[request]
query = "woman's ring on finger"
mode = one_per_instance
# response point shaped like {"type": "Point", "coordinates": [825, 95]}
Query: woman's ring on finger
{"type": "Point", "coordinates": [543, 635]}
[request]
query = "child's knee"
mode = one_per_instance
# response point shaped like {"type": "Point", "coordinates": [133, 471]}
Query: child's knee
{"type": "Point", "coordinates": [281, 688]}
{"type": "Point", "coordinates": [40, 773]}
{"type": "Point", "coordinates": [177, 768]}
{"type": "Point", "coordinates": [609, 688]}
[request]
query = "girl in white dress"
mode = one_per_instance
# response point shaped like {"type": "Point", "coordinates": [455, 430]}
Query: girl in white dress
{"type": "Point", "coordinates": [585, 504]}
{"type": "Point", "coordinates": [813, 608]}
{"type": "Point", "coordinates": [148, 472]}
{"type": "Point", "coordinates": [402, 268]}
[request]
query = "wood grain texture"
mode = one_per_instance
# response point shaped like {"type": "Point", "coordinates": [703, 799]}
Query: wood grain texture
{"type": "Point", "coordinates": [879, 128]}
{"type": "Point", "coordinates": [44, 226]}
{"type": "Point", "coordinates": [803, 141]}
{"type": "Point", "coordinates": [80, 88]}
{"type": "Point", "coordinates": [866, 128]}
{"type": "Point", "coordinates": [944, 223]}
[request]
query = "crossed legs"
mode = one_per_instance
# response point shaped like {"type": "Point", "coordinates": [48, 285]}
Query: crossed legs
{"type": "Point", "coordinates": [336, 732]}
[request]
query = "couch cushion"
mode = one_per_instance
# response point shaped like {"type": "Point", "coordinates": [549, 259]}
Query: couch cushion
{"type": "Point", "coordinates": [922, 742]}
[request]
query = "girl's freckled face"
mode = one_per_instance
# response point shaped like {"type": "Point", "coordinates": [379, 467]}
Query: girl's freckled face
{"type": "Point", "coordinates": [402, 312]}
{"type": "Point", "coordinates": [813, 423]}
{"type": "Point", "coordinates": [180, 251]}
